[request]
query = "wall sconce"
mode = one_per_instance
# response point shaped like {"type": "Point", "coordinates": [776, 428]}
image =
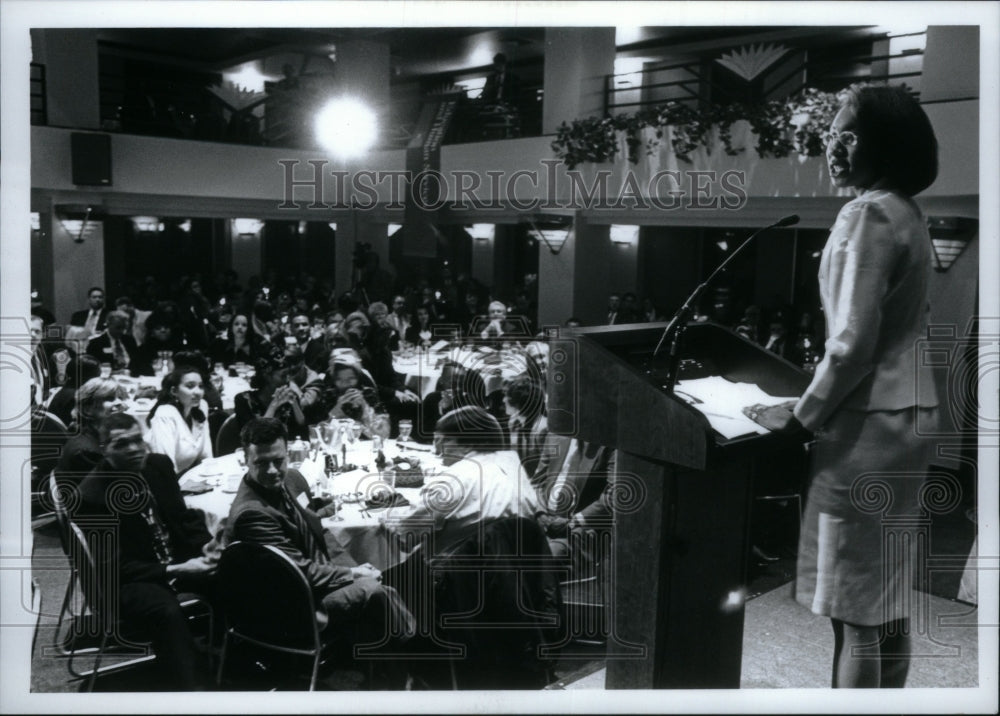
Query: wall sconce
{"type": "Point", "coordinates": [247, 228]}
{"type": "Point", "coordinates": [555, 234]}
{"type": "Point", "coordinates": [185, 226]}
{"type": "Point", "coordinates": [147, 224]}
{"type": "Point", "coordinates": [78, 228]}
{"type": "Point", "coordinates": [332, 225]}
{"type": "Point", "coordinates": [482, 233]}
{"type": "Point", "coordinates": [949, 237]}
{"type": "Point", "coordinates": [36, 221]}
{"type": "Point", "coordinates": [624, 235]}
{"type": "Point", "coordinates": [392, 229]}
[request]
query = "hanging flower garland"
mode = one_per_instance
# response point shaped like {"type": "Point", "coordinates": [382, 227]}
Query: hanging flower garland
{"type": "Point", "coordinates": [799, 124]}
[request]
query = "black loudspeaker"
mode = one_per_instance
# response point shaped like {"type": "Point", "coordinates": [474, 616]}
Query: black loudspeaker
{"type": "Point", "coordinates": [91, 155]}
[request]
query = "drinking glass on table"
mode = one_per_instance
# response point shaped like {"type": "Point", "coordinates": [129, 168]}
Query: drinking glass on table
{"type": "Point", "coordinates": [330, 432]}
{"type": "Point", "coordinates": [315, 440]}
{"type": "Point", "coordinates": [405, 430]}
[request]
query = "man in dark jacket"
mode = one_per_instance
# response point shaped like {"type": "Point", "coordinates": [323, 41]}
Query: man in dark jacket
{"type": "Point", "coordinates": [157, 550]}
{"type": "Point", "coordinates": [94, 316]}
{"type": "Point", "coordinates": [115, 345]}
{"type": "Point", "coordinates": [272, 507]}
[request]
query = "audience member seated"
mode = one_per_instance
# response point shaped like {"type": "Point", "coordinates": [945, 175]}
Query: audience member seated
{"type": "Point", "coordinates": [524, 402]}
{"type": "Point", "coordinates": [41, 370]}
{"type": "Point", "coordinates": [382, 333]}
{"type": "Point", "coordinates": [421, 331]}
{"type": "Point", "coordinates": [274, 395]}
{"type": "Point", "coordinates": [115, 345]}
{"type": "Point", "coordinates": [239, 345]}
{"type": "Point", "coordinates": [376, 358]}
{"type": "Point", "coordinates": [347, 392]}
{"type": "Point", "coordinates": [94, 400]}
{"type": "Point", "coordinates": [137, 318]}
{"type": "Point", "coordinates": [271, 507]}
{"type": "Point", "coordinates": [482, 481]}
{"type": "Point", "coordinates": [79, 370]}
{"type": "Point", "coordinates": [399, 319]}
{"type": "Point", "coordinates": [310, 340]}
{"type": "Point", "coordinates": [178, 423]}
{"type": "Point", "coordinates": [92, 318]}
{"type": "Point", "coordinates": [158, 550]}
{"type": "Point", "coordinates": [264, 323]}
{"type": "Point", "coordinates": [162, 335]}
{"type": "Point", "coordinates": [198, 361]}
{"type": "Point", "coordinates": [497, 325]}
{"type": "Point", "coordinates": [571, 481]}
{"type": "Point", "coordinates": [457, 387]}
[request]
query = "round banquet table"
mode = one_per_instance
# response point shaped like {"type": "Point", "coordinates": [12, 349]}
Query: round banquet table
{"type": "Point", "coordinates": [357, 530]}
{"type": "Point", "coordinates": [422, 369]}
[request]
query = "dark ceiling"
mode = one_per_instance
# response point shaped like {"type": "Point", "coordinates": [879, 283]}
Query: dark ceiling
{"type": "Point", "coordinates": [415, 51]}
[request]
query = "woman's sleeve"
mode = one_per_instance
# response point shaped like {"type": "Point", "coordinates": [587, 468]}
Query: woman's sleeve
{"type": "Point", "coordinates": [163, 435]}
{"type": "Point", "coordinates": [206, 451]}
{"type": "Point", "coordinates": [860, 267]}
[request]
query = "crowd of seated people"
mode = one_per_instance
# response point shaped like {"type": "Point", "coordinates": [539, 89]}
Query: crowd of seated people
{"type": "Point", "coordinates": [315, 360]}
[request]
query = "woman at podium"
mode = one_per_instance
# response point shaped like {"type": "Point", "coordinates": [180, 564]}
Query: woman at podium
{"type": "Point", "coordinates": [867, 402]}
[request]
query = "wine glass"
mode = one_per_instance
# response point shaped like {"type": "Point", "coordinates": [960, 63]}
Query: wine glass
{"type": "Point", "coordinates": [405, 430]}
{"type": "Point", "coordinates": [356, 428]}
{"type": "Point", "coordinates": [315, 441]}
{"type": "Point", "coordinates": [330, 432]}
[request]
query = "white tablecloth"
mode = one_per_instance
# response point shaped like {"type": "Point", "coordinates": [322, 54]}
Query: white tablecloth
{"type": "Point", "coordinates": [423, 368]}
{"type": "Point", "coordinates": [359, 531]}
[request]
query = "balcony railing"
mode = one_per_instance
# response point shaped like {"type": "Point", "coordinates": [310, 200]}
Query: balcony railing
{"type": "Point", "coordinates": [699, 82]}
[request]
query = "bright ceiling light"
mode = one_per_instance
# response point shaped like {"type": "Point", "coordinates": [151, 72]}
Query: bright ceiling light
{"type": "Point", "coordinates": [347, 127]}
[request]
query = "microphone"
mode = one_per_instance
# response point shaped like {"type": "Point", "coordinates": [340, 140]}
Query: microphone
{"type": "Point", "coordinates": [679, 321]}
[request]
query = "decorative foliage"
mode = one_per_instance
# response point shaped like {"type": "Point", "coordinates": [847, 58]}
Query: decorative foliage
{"type": "Point", "coordinates": [748, 62]}
{"type": "Point", "coordinates": [798, 124]}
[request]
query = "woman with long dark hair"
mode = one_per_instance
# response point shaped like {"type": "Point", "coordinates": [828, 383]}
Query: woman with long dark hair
{"type": "Point", "coordinates": [870, 398]}
{"type": "Point", "coordinates": [178, 423]}
{"type": "Point", "coordinates": [239, 346]}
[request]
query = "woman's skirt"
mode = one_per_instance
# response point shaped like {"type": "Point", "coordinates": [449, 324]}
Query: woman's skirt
{"type": "Point", "coordinates": [864, 520]}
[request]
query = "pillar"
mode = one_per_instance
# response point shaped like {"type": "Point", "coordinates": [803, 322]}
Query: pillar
{"type": "Point", "coordinates": [577, 60]}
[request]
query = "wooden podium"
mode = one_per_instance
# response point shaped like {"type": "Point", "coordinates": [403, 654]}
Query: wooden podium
{"type": "Point", "coordinates": [680, 542]}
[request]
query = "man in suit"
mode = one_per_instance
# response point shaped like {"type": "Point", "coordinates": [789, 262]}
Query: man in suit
{"type": "Point", "coordinates": [41, 379]}
{"type": "Point", "coordinates": [94, 316]}
{"type": "Point", "coordinates": [399, 319]}
{"type": "Point", "coordinates": [159, 547]}
{"type": "Point", "coordinates": [115, 345]}
{"type": "Point", "coordinates": [574, 482]}
{"type": "Point", "coordinates": [315, 352]}
{"type": "Point", "coordinates": [272, 507]}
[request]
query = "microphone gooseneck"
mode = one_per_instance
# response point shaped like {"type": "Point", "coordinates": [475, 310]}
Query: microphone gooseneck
{"type": "Point", "coordinates": [679, 321]}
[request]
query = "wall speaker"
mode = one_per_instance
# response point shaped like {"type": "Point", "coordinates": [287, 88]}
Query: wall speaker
{"type": "Point", "coordinates": [91, 158]}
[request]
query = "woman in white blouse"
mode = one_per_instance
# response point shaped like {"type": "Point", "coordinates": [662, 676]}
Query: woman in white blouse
{"type": "Point", "coordinates": [178, 426]}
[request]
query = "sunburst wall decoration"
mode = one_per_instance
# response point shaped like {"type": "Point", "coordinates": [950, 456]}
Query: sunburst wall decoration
{"type": "Point", "coordinates": [749, 62]}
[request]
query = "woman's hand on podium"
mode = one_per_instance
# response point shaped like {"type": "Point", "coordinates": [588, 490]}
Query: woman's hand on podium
{"type": "Point", "coordinates": [776, 418]}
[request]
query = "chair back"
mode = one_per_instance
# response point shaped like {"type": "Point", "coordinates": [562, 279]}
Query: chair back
{"type": "Point", "coordinates": [266, 597]}
{"type": "Point", "coordinates": [60, 511]}
{"type": "Point", "coordinates": [228, 438]}
{"type": "Point", "coordinates": [91, 577]}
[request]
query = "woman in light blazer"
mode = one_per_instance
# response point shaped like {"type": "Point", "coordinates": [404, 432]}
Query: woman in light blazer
{"type": "Point", "coordinates": [869, 400]}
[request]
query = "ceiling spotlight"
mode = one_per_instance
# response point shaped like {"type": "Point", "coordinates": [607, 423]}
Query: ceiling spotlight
{"type": "Point", "coordinates": [347, 127]}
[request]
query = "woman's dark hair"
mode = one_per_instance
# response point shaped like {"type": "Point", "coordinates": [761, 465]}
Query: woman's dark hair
{"type": "Point", "coordinates": [229, 329]}
{"type": "Point", "coordinates": [471, 426]}
{"type": "Point", "coordinates": [80, 369]}
{"type": "Point", "coordinates": [525, 393]}
{"type": "Point", "coordinates": [898, 136]}
{"type": "Point", "coordinates": [166, 395]}
{"type": "Point", "coordinates": [262, 431]}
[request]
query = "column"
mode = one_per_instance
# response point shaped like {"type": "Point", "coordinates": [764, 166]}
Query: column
{"type": "Point", "coordinates": [577, 60]}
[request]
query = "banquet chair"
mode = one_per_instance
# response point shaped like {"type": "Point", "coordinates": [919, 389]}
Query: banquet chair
{"type": "Point", "coordinates": [110, 643]}
{"type": "Point", "coordinates": [228, 438]}
{"type": "Point", "coordinates": [497, 594]}
{"type": "Point", "coordinates": [48, 435]}
{"type": "Point", "coordinates": [268, 602]}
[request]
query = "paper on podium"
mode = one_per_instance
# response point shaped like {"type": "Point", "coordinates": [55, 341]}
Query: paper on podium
{"type": "Point", "coordinates": [722, 402]}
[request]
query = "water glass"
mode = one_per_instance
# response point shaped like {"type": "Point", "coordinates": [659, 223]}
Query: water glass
{"type": "Point", "coordinates": [405, 430]}
{"type": "Point", "coordinates": [298, 451]}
